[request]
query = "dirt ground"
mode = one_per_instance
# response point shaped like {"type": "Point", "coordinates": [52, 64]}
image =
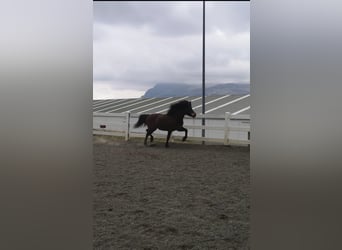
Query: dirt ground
{"type": "Point", "coordinates": [186, 196]}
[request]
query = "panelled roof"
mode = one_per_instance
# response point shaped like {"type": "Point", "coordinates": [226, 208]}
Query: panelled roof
{"type": "Point", "coordinates": [235, 104]}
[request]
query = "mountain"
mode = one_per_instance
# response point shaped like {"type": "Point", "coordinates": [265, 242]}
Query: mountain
{"type": "Point", "coordinates": [180, 89]}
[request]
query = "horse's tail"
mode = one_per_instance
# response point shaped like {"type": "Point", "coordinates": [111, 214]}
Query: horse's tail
{"type": "Point", "coordinates": [141, 121]}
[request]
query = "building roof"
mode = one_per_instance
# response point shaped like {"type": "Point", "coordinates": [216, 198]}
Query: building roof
{"type": "Point", "coordinates": [235, 104]}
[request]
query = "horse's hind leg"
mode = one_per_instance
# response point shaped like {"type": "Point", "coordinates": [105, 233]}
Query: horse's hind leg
{"type": "Point", "coordinates": [149, 133]}
{"type": "Point", "coordinates": [168, 138]}
{"type": "Point", "coordinates": [145, 141]}
{"type": "Point", "coordinates": [186, 132]}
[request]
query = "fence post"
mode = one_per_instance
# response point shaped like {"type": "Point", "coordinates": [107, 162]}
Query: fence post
{"type": "Point", "coordinates": [249, 139]}
{"type": "Point", "coordinates": [128, 117]}
{"type": "Point", "coordinates": [193, 124]}
{"type": "Point", "coordinates": [226, 128]}
{"type": "Point", "coordinates": [203, 128]}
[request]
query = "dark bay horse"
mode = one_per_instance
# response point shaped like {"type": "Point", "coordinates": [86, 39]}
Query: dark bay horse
{"type": "Point", "coordinates": [172, 121]}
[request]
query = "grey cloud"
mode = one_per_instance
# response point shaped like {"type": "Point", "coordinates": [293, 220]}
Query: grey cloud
{"type": "Point", "coordinates": [175, 18]}
{"type": "Point", "coordinates": [228, 16]}
{"type": "Point", "coordinates": [139, 44]}
{"type": "Point", "coordinates": [164, 18]}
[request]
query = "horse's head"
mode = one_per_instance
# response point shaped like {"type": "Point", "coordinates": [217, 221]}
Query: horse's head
{"type": "Point", "coordinates": [183, 107]}
{"type": "Point", "coordinates": [190, 111]}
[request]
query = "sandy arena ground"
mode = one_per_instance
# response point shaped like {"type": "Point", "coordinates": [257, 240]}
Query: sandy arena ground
{"type": "Point", "coordinates": [184, 197]}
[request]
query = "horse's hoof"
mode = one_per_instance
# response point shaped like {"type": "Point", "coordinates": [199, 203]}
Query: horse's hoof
{"type": "Point", "coordinates": [184, 139]}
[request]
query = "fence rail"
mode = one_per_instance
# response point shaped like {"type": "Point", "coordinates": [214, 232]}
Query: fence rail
{"type": "Point", "coordinates": [227, 129]}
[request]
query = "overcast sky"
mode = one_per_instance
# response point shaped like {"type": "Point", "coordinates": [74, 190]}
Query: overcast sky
{"type": "Point", "coordinates": [140, 44]}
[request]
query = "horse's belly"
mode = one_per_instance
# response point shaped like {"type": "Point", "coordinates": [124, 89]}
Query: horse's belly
{"type": "Point", "coordinates": [166, 124]}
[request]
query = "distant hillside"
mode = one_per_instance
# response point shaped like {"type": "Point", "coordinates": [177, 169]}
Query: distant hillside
{"type": "Point", "coordinates": [179, 89]}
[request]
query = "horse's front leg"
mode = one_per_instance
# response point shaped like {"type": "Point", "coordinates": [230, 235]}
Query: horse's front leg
{"type": "Point", "coordinates": [168, 138]}
{"type": "Point", "coordinates": [186, 132]}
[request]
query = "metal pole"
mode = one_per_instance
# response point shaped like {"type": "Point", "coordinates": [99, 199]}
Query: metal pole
{"type": "Point", "coordinates": [203, 73]}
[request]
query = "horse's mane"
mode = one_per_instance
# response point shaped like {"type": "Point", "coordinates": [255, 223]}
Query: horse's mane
{"type": "Point", "coordinates": [175, 108]}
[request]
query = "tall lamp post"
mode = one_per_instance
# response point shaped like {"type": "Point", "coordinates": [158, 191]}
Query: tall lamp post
{"type": "Point", "coordinates": [203, 73]}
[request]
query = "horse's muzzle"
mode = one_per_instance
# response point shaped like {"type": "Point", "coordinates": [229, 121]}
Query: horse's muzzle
{"type": "Point", "coordinates": [193, 114]}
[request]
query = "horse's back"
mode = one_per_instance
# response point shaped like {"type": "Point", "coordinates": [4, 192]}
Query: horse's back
{"type": "Point", "coordinates": [151, 120]}
{"type": "Point", "coordinates": [162, 122]}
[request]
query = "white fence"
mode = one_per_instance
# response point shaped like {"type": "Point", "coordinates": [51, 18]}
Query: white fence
{"type": "Point", "coordinates": [227, 129]}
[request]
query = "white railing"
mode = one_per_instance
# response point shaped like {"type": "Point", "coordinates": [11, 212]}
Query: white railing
{"type": "Point", "coordinates": [227, 129]}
